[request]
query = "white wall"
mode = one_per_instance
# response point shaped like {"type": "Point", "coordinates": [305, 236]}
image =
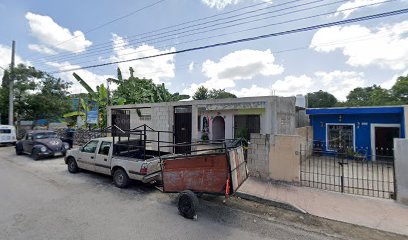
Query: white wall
{"type": "Point", "coordinates": [401, 169]}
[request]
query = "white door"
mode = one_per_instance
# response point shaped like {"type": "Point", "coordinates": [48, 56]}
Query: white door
{"type": "Point", "coordinates": [86, 158]}
{"type": "Point", "coordinates": [103, 159]}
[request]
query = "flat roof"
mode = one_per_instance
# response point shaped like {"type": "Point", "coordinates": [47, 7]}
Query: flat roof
{"type": "Point", "coordinates": [355, 110]}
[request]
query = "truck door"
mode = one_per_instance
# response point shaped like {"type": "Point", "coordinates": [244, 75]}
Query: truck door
{"type": "Point", "coordinates": [103, 159]}
{"type": "Point", "coordinates": [86, 158]}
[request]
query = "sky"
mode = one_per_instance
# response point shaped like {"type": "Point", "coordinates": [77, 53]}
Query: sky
{"type": "Point", "coordinates": [60, 35]}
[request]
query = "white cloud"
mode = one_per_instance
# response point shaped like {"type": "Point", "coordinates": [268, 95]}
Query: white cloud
{"type": "Point", "coordinates": [386, 46]}
{"type": "Point", "coordinates": [157, 69]}
{"type": "Point", "coordinates": [242, 64]}
{"type": "Point", "coordinates": [239, 65]}
{"type": "Point", "coordinates": [253, 91]}
{"type": "Point", "coordinates": [191, 67]}
{"type": "Point", "coordinates": [221, 4]}
{"type": "Point", "coordinates": [346, 8]}
{"type": "Point", "coordinates": [5, 59]}
{"type": "Point", "coordinates": [49, 32]}
{"type": "Point", "coordinates": [338, 83]}
{"type": "Point", "coordinates": [41, 49]}
{"type": "Point", "coordinates": [91, 78]}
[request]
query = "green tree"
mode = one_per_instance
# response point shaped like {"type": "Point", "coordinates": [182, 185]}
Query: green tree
{"type": "Point", "coordinates": [37, 95]}
{"type": "Point", "coordinates": [321, 99]}
{"type": "Point", "coordinates": [370, 96]}
{"type": "Point", "coordinates": [201, 93]}
{"type": "Point", "coordinates": [400, 90]}
{"type": "Point", "coordinates": [220, 94]}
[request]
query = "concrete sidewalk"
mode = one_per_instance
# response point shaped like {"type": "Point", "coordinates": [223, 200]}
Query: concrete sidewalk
{"type": "Point", "coordinates": [382, 214]}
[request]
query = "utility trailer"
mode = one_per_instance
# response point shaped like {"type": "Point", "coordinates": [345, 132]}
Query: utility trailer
{"type": "Point", "coordinates": [219, 168]}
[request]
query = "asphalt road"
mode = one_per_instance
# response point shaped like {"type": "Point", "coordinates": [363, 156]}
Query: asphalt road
{"type": "Point", "coordinates": [41, 200]}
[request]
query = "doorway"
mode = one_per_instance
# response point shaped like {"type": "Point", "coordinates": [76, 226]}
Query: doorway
{"type": "Point", "coordinates": [218, 128]}
{"type": "Point", "coordinates": [382, 140]}
{"type": "Point", "coordinates": [182, 128]}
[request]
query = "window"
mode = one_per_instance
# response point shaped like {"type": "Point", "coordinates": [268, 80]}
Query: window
{"type": "Point", "coordinates": [199, 122]}
{"type": "Point", "coordinates": [28, 136]}
{"type": "Point", "coordinates": [7, 131]}
{"type": "Point", "coordinates": [104, 148]}
{"type": "Point", "coordinates": [90, 147]}
{"type": "Point", "coordinates": [45, 135]}
{"type": "Point", "coordinates": [244, 125]}
{"type": "Point", "coordinates": [340, 136]}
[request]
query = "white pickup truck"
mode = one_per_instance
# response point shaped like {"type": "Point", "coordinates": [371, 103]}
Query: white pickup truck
{"type": "Point", "coordinates": [103, 156]}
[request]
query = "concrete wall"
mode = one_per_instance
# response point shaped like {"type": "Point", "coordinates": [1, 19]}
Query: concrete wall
{"type": "Point", "coordinates": [401, 169]}
{"type": "Point", "coordinates": [284, 162]}
{"type": "Point", "coordinates": [306, 137]}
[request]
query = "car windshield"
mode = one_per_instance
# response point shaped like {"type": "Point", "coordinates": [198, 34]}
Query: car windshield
{"type": "Point", "coordinates": [44, 135]}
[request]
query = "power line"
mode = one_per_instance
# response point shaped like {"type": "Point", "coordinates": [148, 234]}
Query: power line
{"type": "Point", "coordinates": [107, 45]}
{"type": "Point", "coordinates": [304, 29]}
{"type": "Point", "coordinates": [111, 21]}
{"type": "Point", "coordinates": [245, 30]}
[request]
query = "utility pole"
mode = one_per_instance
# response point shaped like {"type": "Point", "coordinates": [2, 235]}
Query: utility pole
{"type": "Point", "coordinates": [11, 85]}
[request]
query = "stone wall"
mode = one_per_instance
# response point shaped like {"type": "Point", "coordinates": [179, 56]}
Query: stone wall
{"type": "Point", "coordinates": [258, 155]}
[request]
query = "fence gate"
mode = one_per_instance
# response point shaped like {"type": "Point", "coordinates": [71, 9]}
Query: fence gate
{"type": "Point", "coordinates": [349, 171]}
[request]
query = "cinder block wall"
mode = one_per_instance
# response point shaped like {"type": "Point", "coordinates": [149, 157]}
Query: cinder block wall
{"type": "Point", "coordinates": [258, 155]}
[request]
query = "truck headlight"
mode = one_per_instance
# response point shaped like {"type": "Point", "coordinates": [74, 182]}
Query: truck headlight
{"type": "Point", "coordinates": [43, 149]}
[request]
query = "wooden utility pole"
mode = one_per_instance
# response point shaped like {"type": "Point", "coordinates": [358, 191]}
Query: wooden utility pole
{"type": "Point", "coordinates": [11, 85]}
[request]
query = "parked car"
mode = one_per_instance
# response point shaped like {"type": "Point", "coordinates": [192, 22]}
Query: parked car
{"type": "Point", "coordinates": [123, 161]}
{"type": "Point", "coordinates": [7, 134]}
{"type": "Point", "coordinates": [41, 143]}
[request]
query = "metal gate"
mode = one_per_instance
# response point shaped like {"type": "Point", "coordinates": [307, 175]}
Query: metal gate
{"type": "Point", "coordinates": [349, 171]}
{"type": "Point", "coordinates": [121, 119]}
{"type": "Point", "coordinates": [182, 128]}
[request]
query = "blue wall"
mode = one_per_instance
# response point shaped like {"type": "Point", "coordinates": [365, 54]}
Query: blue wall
{"type": "Point", "coordinates": [362, 130]}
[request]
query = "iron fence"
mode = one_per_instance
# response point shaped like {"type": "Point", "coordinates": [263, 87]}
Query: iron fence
{"type": "Point", "coordinates": [349, 170]}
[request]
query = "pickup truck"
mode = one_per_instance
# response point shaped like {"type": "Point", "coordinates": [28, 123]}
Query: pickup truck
{"type": "Point", "coordinates": [101, 155]}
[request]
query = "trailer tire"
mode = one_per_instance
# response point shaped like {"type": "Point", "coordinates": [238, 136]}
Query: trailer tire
{"type": "Point", "coordinates": [187, 204]}
{"type": "Point", "coordinates": [120, 178]}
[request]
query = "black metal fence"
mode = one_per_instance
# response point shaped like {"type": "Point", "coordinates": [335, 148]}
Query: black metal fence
{"type": "Point", "coordinates": [349, 170]}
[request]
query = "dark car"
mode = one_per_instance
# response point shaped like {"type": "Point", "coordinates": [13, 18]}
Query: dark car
{"type": "Point", "coordinates": [41, 143]}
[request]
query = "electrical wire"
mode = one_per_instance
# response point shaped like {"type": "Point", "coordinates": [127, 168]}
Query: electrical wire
{"type": "Point", "coordinates": [287, 32]}
{"type": "Point", "coordinates": [245, 30]}
{"type": "Point", "coordinates": [176, 32]}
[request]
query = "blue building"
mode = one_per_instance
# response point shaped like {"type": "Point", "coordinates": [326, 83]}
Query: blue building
{"type": "Point", "coordinates": [371, 129]}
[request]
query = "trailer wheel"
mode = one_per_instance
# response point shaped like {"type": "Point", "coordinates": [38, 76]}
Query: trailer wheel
{"type": "Point", "coordinates": [187, 204]}
{"type": "Point", "coordinates": [120, 178]}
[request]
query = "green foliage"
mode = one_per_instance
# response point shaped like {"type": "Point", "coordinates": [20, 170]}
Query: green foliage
{"type": "Point", "coordinates": [370, 96]}
{"type": "Point", "coordinates": [400, 90]}
{"type": "Point", "coordinates": [203, 93]}
{"type": "Point", "coordinates": [321, 99]}
{"type": "Point", "coordinates": [37, 95]}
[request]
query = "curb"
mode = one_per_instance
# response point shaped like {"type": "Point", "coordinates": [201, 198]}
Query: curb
{"type": "Point", "coordinates": [269, 202]}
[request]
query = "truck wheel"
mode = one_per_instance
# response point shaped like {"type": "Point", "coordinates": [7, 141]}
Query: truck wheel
{"type": "Point", "coordinates": [187, 204]}
{"type": "Point", "coordinates": [72, 165]}
{"type": "Point", "coordinates": [35, 155]}
{"type": "Point", "coordinates": [120, 178]}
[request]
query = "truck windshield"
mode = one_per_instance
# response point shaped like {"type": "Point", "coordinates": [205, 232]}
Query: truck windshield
{"type": "Point", "coordinates": [44, 135]}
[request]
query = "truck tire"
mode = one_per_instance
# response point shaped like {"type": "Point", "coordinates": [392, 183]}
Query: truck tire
{"type": "Point", "coordinates": [35, 154]}
{"type": "Point", "coordinates": [72, 165]}
{"type": "Point", "coordinates": [120, 178]}
{"type": "Point", "coordinates": [187, 204]}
